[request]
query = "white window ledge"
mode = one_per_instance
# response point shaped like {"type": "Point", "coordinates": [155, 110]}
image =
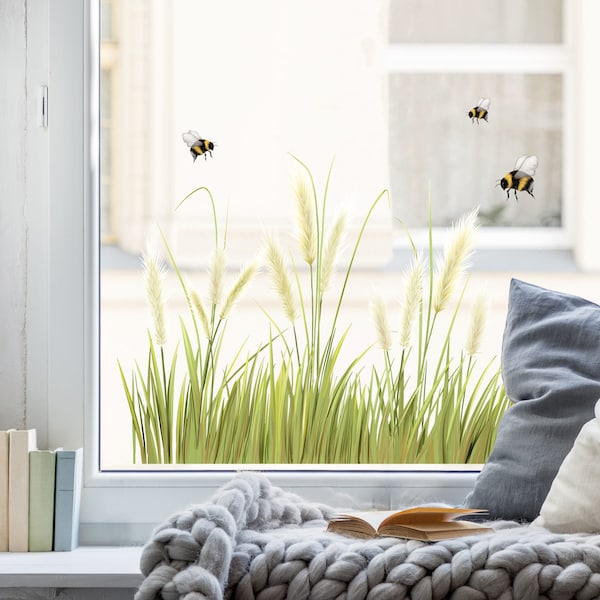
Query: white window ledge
{"type": "Point", "coordinates": [84, 567]}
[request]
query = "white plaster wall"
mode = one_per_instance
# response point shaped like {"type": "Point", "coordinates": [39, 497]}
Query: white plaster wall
{"type": "Point", "coordinates": [13, 232]}
{"type": "Point", "coordinates": [587, 127]}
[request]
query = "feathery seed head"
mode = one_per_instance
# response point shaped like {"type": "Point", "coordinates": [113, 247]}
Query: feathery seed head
{"type": "Point", "coordinates": [246, 275]}
{"type": "Point", "coordinates": [475, 333]}
{"type": "Point", "coordinates": [413, 298]}
{"type": "Point", "coordinates": [279, 274]}
{"type": "Point", "coordinates": [197, 303]}
{"type": "Point", "coordinates": [306, 221]}
{"type": "Point", "coordinates": [332, 248]}
{"type": "Point", "coordinates": [154, 276]}
{"type": "Point", "coordinates": [381, 320]}
{"type": "Point", "coordinates": [380, 317]}
{"type": "Point", "coordinates": [216, 273]}
{"type": "Point", "coordinates": [454, 261]}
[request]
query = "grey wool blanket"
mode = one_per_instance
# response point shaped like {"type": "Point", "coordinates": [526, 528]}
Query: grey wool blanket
{"type": "Point", "coordinates": [254, 540]}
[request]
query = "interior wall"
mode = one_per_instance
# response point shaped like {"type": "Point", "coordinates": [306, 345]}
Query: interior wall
{"type": "Point", "coordinates": [13, 227]}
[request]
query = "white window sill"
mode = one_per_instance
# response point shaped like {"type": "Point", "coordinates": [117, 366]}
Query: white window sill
{"type": "Point", "coordinates": [84, 567]}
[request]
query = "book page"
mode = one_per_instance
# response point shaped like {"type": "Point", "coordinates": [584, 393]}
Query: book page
{"type": "Point", "coordinates": [436, 527]}
{"type": "Point", "coordinates": [427, 514]}
{"type": "Point", "coordinates": [373, 518]}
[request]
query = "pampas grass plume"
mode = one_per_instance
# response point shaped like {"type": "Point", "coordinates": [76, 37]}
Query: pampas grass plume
{"type": "Point", "coordinates": [246, 275]}
{"type": "Point", "coordinates": [380, 317]}
{"type": "Point", "coordinates": [413, 297]}
{"type": "Point", "coordinates": [197, 302]}
{"type": "Point", "coordinates": [332, 249]}
{"type": "Point", "coordinates": [279, 273]}
{"type": "Point", "coordinates": [453, 262]}
{"type": "Point", "coordinates": [154, 276]}
{"type": "Point", "coordinates": [305, 216]}
{"type": "Point", "coordinates": [216, 273]}
{"type": "Point", "coordinates": [475, 333]}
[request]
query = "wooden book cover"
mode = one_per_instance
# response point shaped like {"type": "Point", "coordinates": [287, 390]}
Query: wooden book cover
{"type": "Point", "coordinates": [20, 442]}
{"type": "Point", "coordinates": [42, 466]}
{"type": "Point", "coordinates": [426, 523]}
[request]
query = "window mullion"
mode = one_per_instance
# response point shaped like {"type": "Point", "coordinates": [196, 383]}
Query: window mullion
{"type": "Point", "coordinates": [477, 58]}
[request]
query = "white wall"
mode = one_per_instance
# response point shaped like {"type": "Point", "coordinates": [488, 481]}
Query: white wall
{"type": "Point", "coordinates": [586, 119]}
{"type": "Point", "coordinates": [13, 226]}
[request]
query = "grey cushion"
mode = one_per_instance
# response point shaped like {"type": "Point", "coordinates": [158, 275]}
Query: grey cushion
{"type": "Point", "coordinates": [551, 372]}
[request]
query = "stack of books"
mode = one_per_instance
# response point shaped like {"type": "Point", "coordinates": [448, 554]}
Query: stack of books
{"type": "Point", "coordinates": [40, 494]}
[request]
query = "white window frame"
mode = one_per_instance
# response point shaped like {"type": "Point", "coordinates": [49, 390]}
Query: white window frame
{"type": "Point", "coordinates": [62, 401]}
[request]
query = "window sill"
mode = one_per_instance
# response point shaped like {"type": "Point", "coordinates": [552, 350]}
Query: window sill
{"type": "Point", "coordinates": [84, 567]}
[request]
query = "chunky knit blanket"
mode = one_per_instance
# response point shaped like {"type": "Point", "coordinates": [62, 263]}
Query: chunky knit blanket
{"type": "Point", "coordinates": [255, 541]}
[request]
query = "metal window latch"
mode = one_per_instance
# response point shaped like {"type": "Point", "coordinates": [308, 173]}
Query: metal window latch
{"type": "Point", "coordinates": [42, 106]}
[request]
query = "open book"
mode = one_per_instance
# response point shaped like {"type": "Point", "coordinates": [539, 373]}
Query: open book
{"type": "Point", "coordinates": [421, 523]}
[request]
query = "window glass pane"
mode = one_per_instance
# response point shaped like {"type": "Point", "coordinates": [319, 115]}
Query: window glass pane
{"type": "Point", "coordinates": [106, 27]}
{"type": "Point", "coordinates": [476, 21]}
{"type": "Point", "coordinates": [260, 93]}
{"type": "Point", "coordinates": [434, 145]}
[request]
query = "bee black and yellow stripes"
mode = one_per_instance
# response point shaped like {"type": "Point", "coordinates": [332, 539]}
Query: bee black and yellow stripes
{"type": "Point", "coordinates": [197, 145]}
{"type": "Point", "coordinates": [520, 179]}
{"type": "Point", "coordinates": [202, 147]}
{"type": "Point", "coordinates": [480, 111]}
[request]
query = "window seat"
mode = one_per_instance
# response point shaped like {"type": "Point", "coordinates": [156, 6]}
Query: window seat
{"type": "Point", "coordinates": [84, 567]}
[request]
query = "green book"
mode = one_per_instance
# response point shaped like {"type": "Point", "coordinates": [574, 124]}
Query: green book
{"type": "Point", "coordinates": [42, 468]}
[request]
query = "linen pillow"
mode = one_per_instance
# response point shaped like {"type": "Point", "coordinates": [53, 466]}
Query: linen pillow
{"type": "Point", "coordinates": [551, 373]}
{"type": "Point", "coordinates": [572, 503]}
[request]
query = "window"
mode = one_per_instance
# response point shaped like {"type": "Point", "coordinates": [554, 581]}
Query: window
{"type": "Point", "coordinates": [349, 93]}
{"type": "Point", "coordinates": [439, 67]}
{"type": "Point", "coordinates": [132, 504]}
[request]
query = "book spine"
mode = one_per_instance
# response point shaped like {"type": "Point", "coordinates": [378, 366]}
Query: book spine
{"type": "Point", "coordinates": [3, 491]}
{"type": "Point", "coordinates": [20, 442]}
{"type": "Point", "coordinates": [41, 500]}
{"type": "Point", "coordinates": [67, 499]}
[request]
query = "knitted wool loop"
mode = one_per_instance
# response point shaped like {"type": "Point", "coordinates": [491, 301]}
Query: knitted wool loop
{"type": "Point", "coordinates": [253, 541]}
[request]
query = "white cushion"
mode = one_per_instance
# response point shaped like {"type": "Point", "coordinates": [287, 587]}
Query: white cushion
{"type": "Point", "coordinates": [573, 502]}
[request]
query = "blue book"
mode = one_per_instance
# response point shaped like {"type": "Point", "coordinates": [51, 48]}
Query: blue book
{"type": "Point", "coordinates": [67, 499]}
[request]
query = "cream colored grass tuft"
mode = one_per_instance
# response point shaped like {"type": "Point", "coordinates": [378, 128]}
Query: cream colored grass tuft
{"type": "Point", "coordinates": [454, 261]}
{"type": "Point", "coordinates": [413, 298]}
{"type": "Point", "coordinates": [382, 323]}
{"type": "Point", "coordinates": [246, 275]}
{"type": "Point", "coordinates": [306, 222]}
{"type": "Point", "coordinates": [332, 249]}
{"type": "Point", "coordinates": [154, 276]}
{"type": "Point", "coordinates": [477, 326]}
{"type": "Point", "coordinates": [216, 273]}
{"type": "Point", "coordinates": [197, 303]}
{"type": "Point", "coordinates": [277, 266]}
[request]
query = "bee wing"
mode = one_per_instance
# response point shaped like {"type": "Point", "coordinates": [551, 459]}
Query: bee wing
{"type": "Point", "coordinates": [190, 137]}
{"type": "Point", "coordinates": [484, 103]}
{"type": "Point", "coordinates": [527, 163]}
